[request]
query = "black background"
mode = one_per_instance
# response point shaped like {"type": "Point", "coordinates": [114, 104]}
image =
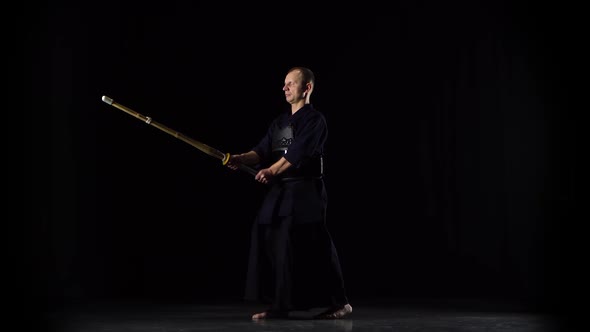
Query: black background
{"type": "Point", "coordinates": [450, 161]}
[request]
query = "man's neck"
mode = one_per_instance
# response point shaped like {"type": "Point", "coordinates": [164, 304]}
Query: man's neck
{"type": "Point", "coordinates": [297, 106]}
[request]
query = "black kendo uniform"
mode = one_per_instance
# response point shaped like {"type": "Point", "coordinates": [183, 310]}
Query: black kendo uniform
{"type": "Point", "coordinates": [293, 263]}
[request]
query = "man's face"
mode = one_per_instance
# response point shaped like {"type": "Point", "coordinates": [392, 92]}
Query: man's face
{"type": "Point", "coordinates": [293, 87]}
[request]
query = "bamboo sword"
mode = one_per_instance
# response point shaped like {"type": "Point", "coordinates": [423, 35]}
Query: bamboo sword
{"type": "Point", "coordinates": [224, 157]}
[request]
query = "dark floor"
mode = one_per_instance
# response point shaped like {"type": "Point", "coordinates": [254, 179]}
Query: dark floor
{"type": "Point", "coordinates": [422, 316]}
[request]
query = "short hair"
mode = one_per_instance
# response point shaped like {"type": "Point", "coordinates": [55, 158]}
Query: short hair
{"type": "Point", "coordinates": [306, 73]}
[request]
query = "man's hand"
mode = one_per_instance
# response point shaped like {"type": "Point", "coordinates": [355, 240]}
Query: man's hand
{"type": "Point", "coordinates": [234, 161]}
{"type": "Point", "coordinates": [264, 176]}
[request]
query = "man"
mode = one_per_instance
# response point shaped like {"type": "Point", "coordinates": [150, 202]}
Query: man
{"type": "Point", "coordinates": [293, 263]}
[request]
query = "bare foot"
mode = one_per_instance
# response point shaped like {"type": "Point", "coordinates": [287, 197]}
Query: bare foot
{"type": "Point", "coordinates": [260, 315]}
{"type": "Point", "coordinates": [270, 314]}
{"type": "Point", "coordinates": [335, 313]}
